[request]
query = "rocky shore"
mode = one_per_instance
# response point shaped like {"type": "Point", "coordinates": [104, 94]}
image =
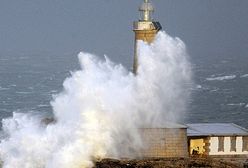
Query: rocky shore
{"type": "Point", "coordinates": [168, 163]}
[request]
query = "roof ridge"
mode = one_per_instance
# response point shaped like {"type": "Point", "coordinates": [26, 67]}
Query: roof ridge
{"type": "Point", "coordinates": [244, 129]}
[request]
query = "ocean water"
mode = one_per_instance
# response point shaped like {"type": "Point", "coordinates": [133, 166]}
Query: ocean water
{"type": "Point", "coordinates": [221, 90]}
{"type": "Point", "coordinates": [219, 93]}
{"type": "Point", "coordinates": [28, 82]}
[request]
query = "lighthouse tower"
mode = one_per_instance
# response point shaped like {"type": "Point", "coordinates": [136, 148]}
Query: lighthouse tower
{"type": "Point", "coordinates": [145, 29]}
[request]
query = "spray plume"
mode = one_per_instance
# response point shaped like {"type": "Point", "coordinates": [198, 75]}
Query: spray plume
{"type": "Point", "coordinates": [101, 108]}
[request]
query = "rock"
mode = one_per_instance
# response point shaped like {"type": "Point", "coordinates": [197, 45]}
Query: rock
{"type": "Point", "coordinates": [48, 121]}
{"type": "Point", "coordinates": [166, 163]}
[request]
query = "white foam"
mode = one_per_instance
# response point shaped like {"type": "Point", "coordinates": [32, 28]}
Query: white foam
{"type": "Point", "coordinates": [236, 104]}
{"type": "Point", "coordinates": [43, 105]}
{"type": "Point", "coordinates": [221, 78]}
{"type": "Point", "coordinates": [101, 108]}
{"type": "Point", "coordinates": [244, 76]}
{"type": "Point", "coordinates": [215, 90]}
{"type": "Point", "coordinates": [23, 92]}
{"type": "Point", "coordinates": [53, 91]}
{"type": "Point", "coordinates": [3, 88]}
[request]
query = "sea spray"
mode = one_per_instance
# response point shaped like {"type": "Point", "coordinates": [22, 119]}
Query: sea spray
{"type": "Point", "coordinates": [101, 109]}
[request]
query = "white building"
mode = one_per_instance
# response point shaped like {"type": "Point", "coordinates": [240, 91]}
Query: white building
{"type": "Point", "coordinates": [217, 139]}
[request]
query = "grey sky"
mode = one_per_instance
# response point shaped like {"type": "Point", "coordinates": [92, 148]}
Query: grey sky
{"type": "Point", "coordinates": [216, 28]}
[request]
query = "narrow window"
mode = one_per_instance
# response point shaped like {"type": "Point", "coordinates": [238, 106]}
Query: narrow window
{"type": "Point", "coordinates": [245, 143]}
{"type": "Point", "coordinates": [221, 144]}
{"type": "Point", "coordinates": [233, 144]}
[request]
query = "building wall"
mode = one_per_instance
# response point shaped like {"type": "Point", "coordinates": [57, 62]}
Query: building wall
{"type": "Point", "coordinates": [164, 142]}
{"type": "Point", "coordinates": [214, 146]}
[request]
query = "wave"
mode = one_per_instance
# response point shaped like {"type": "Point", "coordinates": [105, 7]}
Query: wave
{"type": "Point", "coordinates": [244, 76]}
{"type": "Point", "coordinates": [236, 104]}
{"type": "Point", "coordinates": [3, 88]}
{"type": "Point", "coordinates": [100, 109]}
{"type": "Point", "coordinates": [43, 105]}
{"type": "Point", "coordinates": [221, 78]}
{"type": "Point", "coordinates": [22, 92]}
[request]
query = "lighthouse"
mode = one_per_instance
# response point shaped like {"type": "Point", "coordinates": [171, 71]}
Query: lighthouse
{"type": "Point", "coordinates": [145, 29]}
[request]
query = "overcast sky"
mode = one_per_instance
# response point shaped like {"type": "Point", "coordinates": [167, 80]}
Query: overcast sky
{"type": "Point", "coordinates": [210, 28]}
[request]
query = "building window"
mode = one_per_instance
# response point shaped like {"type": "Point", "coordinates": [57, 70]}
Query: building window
{"type": "Point", "coordinates": [221, 144]}
{"type": "Point", "coordinates": [245, 144]}
{"type": "Point", "coordinates": [233, 144]}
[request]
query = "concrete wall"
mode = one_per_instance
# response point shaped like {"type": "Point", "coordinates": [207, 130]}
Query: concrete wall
{"type": "Point", "coordinates": [214, 144]}
{"type": "Point", "coordinates": [164, 142]}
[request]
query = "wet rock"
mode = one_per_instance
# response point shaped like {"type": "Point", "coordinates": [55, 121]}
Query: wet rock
{"type": "Point", "coordinates": [47, 121]}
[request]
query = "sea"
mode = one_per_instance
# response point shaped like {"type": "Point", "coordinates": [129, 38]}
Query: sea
{"type": "Point", "coordinates": [219, 92]}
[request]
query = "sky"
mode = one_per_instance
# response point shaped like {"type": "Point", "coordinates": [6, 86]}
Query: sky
{"type": "Point", "coordinates": [210, 28]}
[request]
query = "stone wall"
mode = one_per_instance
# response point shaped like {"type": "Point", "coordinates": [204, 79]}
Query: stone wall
{"type": "Point", "coordinates": [164, 142]}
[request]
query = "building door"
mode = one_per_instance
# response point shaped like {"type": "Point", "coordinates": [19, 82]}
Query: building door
{"type": "Point", "coordinates": [196, 146]}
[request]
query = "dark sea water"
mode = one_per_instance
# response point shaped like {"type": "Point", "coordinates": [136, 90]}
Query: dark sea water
{"type": "Point", "coordinates": [28, 82]}
{"type": "Point", "coordinates": [220, 93]}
